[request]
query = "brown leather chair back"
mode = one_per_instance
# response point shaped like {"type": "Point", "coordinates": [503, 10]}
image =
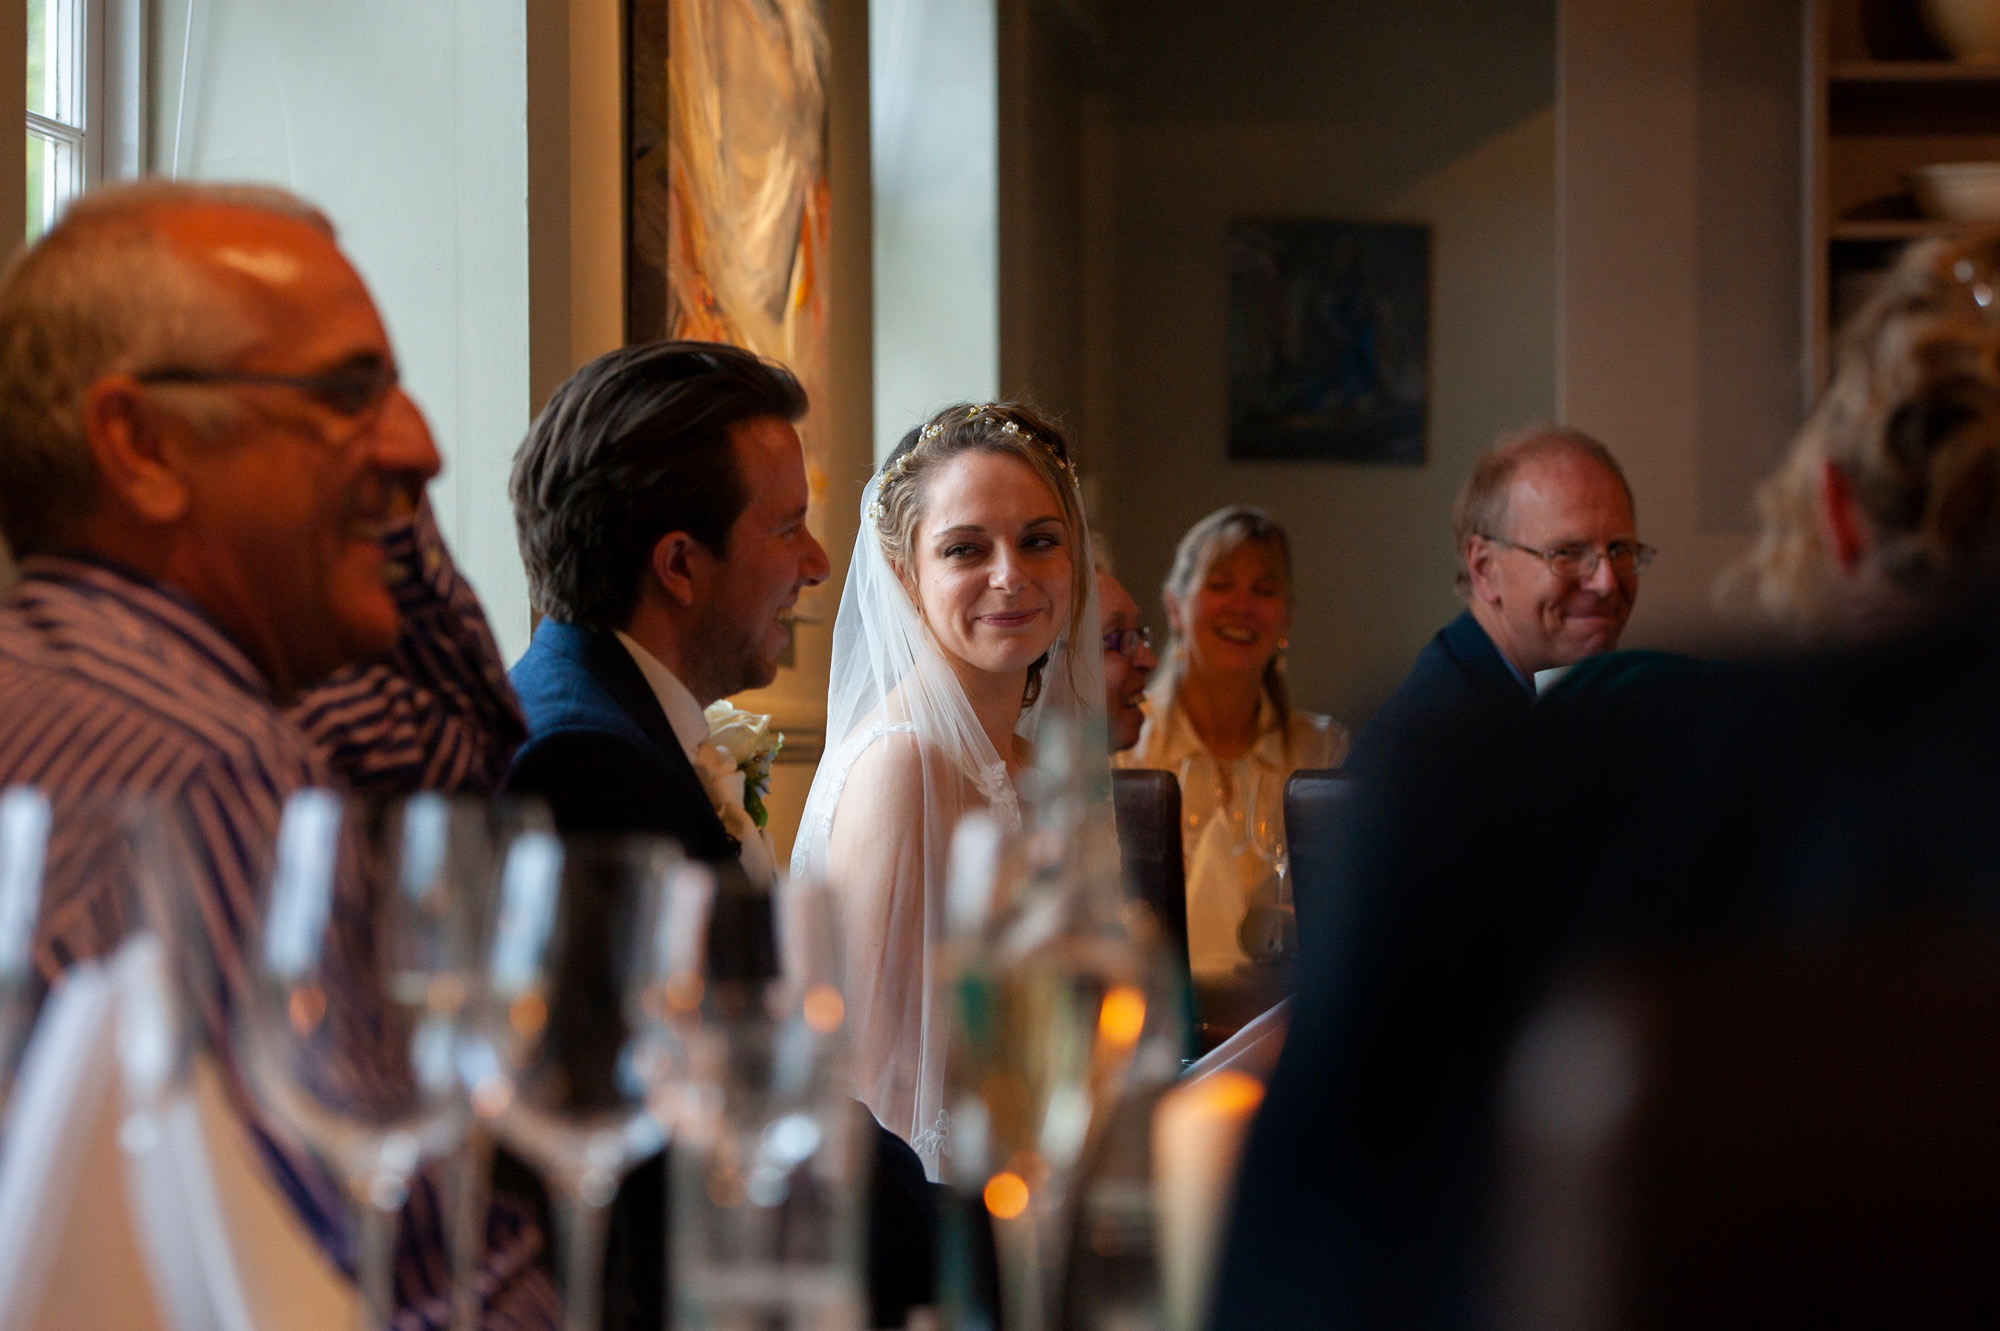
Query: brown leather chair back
{"type": "Point", "coordinates": [1149, 837]}
{"type": "Point", "coordinates": [1319, 803]}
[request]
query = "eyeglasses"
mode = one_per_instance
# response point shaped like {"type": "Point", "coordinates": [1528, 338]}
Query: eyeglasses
{"type": "Point", "coordinates": [1127, 642]}
{"type": "Point", "coordinates": [1578, 561]}
{"type": "Point", "coordinates": [350, 392]}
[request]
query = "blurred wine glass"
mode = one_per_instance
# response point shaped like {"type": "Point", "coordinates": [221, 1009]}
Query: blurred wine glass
{"type": "Point", "coordinates": [768, 1181]}
{"type": "Point", "coordinates": [1047, 976]}
{"type": "Point", "coordinates": [25, 819]}
{"type": "Point", "coordinates": [1201, 796]}
{"type": "Point", "coordinates": [594, 980]}
{"type": "Point", "coordinates": [359, 986]}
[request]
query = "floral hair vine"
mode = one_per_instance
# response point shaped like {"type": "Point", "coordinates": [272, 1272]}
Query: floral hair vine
{"type": "Point", "coordinates": [899, 467]}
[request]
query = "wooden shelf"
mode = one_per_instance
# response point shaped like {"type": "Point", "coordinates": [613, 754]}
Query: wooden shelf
{"type": "Point", "coordinates": [1869, 124]}
{"type": "Point", "coordinates": [1913, 71]}
{"type": "Point", "coordinates": [1894, 229]}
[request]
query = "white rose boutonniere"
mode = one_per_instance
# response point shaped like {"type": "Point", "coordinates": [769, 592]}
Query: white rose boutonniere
{"type": "Point", "coordinates": [748, 742]}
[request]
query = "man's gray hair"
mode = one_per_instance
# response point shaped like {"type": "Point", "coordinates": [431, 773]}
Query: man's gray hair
{"type": "Point", "coordinates": [104, 293]}
{"type": "Point", "coordinates": [1482, 505]}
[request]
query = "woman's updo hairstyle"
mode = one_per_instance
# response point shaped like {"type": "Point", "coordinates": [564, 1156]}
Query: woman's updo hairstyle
{"type": "Point", "coordinates": [1911, 418]}
{"type": "Point", "coordinates": [1010, 429]}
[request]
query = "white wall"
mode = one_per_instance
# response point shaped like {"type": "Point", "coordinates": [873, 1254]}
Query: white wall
{"type": "Point", "coordinates": [1680, 273]}
{"type": "Point", "coordinates": [407, 124]}
{"type": "Point", "coordinates": [1371, 545]}
{"type": "Point", "coordinates": [934, 131]}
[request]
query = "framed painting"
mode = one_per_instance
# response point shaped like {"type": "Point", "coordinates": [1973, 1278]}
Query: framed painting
{"type": "Point", "coordinates": [1329, 341]}
{"type": "Point", "coordinates": [727, 230]}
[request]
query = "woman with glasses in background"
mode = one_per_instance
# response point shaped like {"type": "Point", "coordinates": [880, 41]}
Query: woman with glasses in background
{"type": "Point", "coordinates": [1219, 716]}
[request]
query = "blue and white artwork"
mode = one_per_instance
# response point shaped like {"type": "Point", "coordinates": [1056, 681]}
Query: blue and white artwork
{"type": "Point", "coordinates": [1329, 340]}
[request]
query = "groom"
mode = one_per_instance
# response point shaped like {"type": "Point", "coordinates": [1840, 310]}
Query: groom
{"type": "Point", "coordinates": [660, 503]}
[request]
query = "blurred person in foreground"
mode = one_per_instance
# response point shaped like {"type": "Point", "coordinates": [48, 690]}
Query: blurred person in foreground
{"type": "Point", "coordinates": [231, 588]}
{"type": "Point", "coordinates": [1220, 716]}
{"type": "Point", "coordinates": [1549, 562]}
{"type": "Point", "coordinates": [1776, 807]}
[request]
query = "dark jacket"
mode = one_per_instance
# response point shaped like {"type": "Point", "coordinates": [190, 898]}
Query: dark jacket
{"type": "Point", "coordinates": [1458, 675]}
{"type": "Point", "coordinates": [1698, 810]}
{"type": "Point", "coordinates": [601, 754]}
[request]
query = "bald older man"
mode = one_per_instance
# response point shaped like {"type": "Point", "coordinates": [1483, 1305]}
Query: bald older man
{"type": "Point", "coordinates": [230, 587]}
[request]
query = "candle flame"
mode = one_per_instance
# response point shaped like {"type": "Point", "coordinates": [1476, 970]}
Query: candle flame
{"type": "Point", "coordinates": [1232, 1093]}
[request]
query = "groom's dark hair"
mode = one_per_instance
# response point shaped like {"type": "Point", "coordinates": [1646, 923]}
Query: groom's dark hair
{"type": "Point", "coordinates": [633, 446]}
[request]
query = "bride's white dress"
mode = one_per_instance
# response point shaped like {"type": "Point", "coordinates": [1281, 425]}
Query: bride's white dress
{"type": "Point", "coordinates": [910, 761]}
{"type": "Point", "coordinates": [870, 840]}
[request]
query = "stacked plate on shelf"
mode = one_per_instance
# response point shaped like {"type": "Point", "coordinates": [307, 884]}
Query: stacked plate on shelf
{"type": "Point", "coordinates": [1958, 191]}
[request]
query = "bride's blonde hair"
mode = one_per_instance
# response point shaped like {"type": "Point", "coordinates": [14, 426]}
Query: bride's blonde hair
{"type": "Point", "coordinates": [1009, 429]}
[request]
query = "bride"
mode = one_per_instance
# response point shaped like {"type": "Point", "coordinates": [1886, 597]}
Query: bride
{"type": "Point", "coordinates": [950, 649]}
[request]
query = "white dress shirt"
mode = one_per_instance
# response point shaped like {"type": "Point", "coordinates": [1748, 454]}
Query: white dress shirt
{"type": "Point", "coordinates": [690, 727]}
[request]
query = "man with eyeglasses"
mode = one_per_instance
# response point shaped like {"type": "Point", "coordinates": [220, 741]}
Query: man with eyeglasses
{"type": "Point", "coordinates": [1128, 661]}
{"type": "Point", "coordinates": [231, 588]}
{"type": "Point", "coordinates": [1549, 564]}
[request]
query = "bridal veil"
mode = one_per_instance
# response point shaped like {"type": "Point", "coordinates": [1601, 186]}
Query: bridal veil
{"type": "Point", "coordinates": [897, 714]}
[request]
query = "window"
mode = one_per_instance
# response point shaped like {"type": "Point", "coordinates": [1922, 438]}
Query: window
{"type": "Point", "coordinates": [84, 99]}
{"type": "Point", "coordinates": [58, 120]}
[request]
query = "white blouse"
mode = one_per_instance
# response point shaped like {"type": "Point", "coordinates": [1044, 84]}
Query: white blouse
{"type": "Point", "coordinates": [1232, 815]}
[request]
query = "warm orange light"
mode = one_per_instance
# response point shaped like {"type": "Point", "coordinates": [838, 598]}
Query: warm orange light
{"type": "Point", "coordinates": [527, 1015]}
{"type": "Point", "coordinates": [824, 1009]}
{"type": "Point", "coordinates": [1230, 1093]}
{"type": "Point", "coordinates": [1006, 1195]}
{"type": "Point", "coordinates": [1122, 1016]}
{"type": "Point", "coordinates": [307, 1008]}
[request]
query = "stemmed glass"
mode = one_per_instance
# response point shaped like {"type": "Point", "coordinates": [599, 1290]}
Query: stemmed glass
{"type": "Point", "coordinates": [1268, 934]}
{"type": "Point", "coordinates": [1047, 970]}
{"type": "Point", "coordinates": [359, 986]}
{"type": "Point", "coordinates": [767, 1182]}
{"type": "Point", "coordinates": [593, 979]}
{"type": "Point", "coordinates": [24, 832]}
{"type": "Point", "coordinates": [1201, 799]}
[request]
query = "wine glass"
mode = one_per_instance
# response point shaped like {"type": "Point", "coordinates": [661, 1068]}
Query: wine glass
{"type": "Point", "coordinates": [1269, 935]}
{"type": "Point", "coordinates": [359, 986]}
{"type": "Point", "coordinates": [25, 818]}
{"type": "Point", "coordinates": [1201, 796]}
{"type": "Point", "coordinates": [1048, 987]}
{"type": "Point", "coordinates": [767, 1182]}
{"type": "Point", "coordinates": [593, 981]}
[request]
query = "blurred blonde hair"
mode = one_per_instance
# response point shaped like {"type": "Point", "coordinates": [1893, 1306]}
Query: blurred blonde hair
{"type": "Point", "coordinates": [1911, 418]}
{"type": "Point", "coordinates": [1205, 544]}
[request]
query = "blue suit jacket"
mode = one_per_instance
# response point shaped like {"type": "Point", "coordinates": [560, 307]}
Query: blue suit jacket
{"type": "Point", "coordinates": [602, 755]}
{"type": "Point", "coordinates": [1458, 676]}
{"type": "Point", "coordinates": [600, 751]}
